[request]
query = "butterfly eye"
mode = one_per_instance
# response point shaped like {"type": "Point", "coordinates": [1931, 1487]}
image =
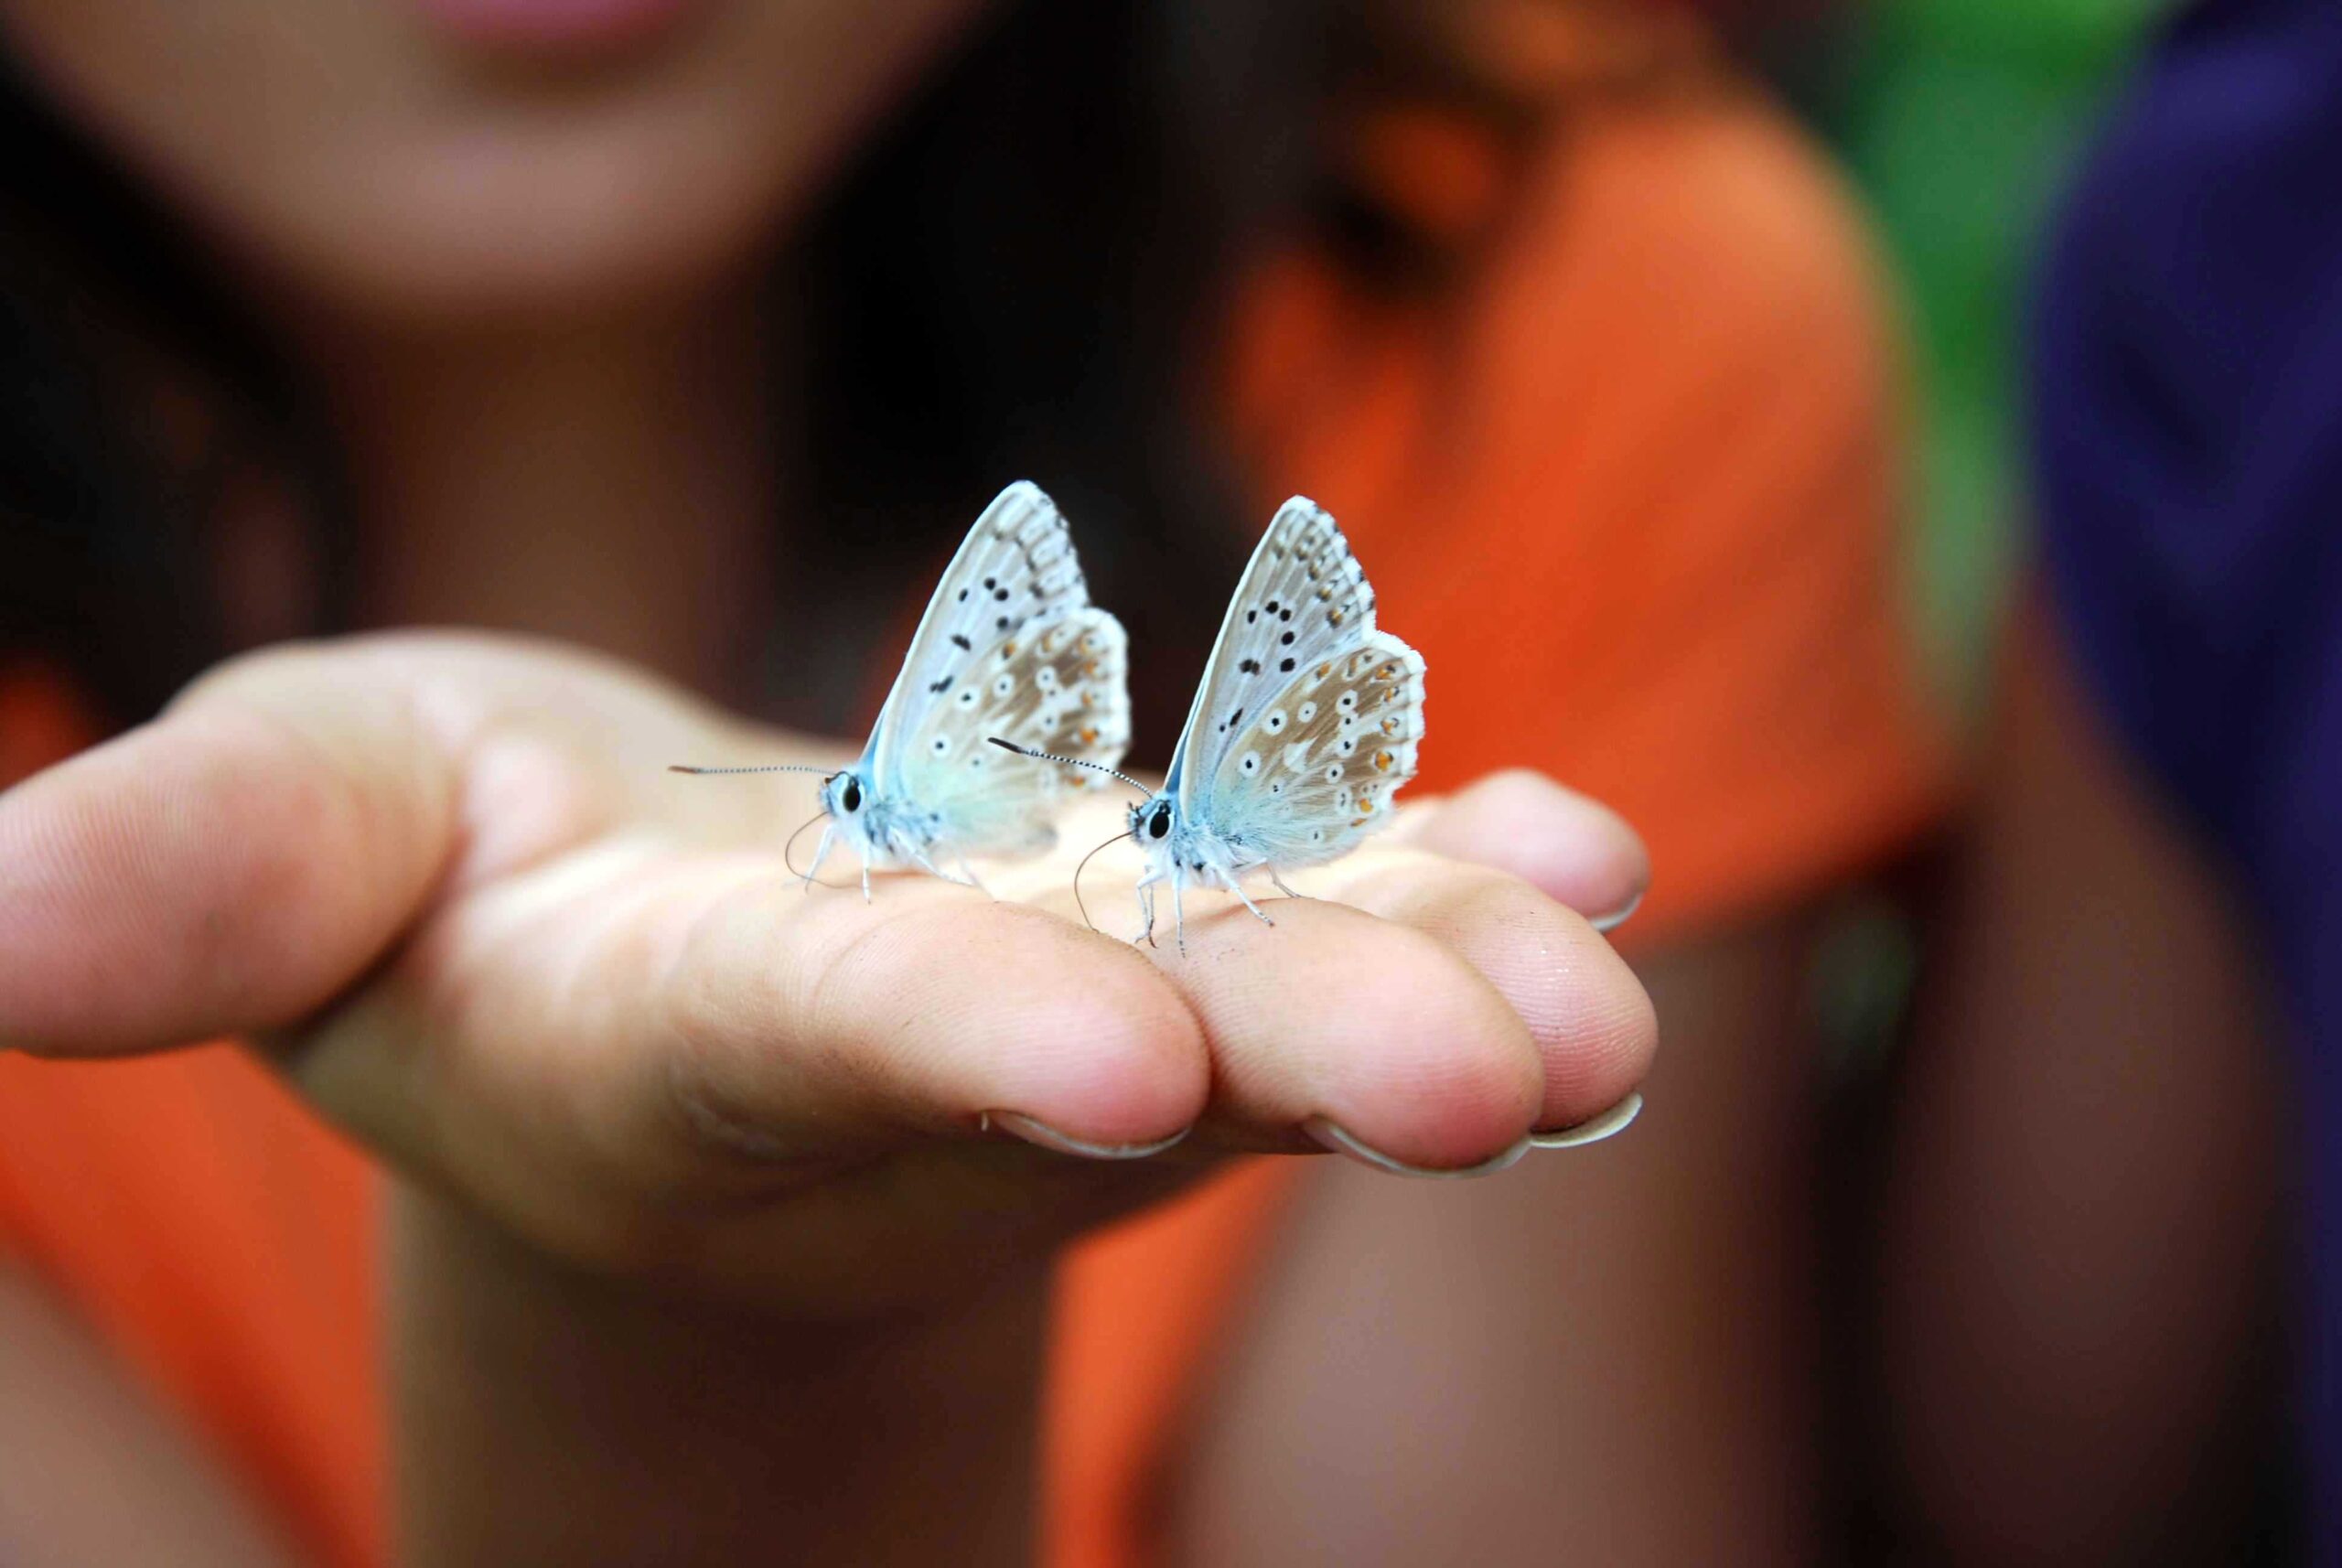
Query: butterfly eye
{"type": "Point", "coordinates": [1161, 826]}
{"type": "Point", "coordinates": [850, 796]}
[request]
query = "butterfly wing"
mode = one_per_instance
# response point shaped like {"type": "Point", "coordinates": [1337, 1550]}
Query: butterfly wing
{"type": "Point", "coordinates": [1303, 597]}
{"type": "Point", "coordinates": [1311, 769]}
{"type": "Point", "coordinates": [1058, 685]}
{"type": "Point", "coordinates": [1015, 568]}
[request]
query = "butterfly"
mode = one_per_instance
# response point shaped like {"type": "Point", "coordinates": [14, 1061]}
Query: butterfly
{"type": "Point", "coordinates": [1308, 720]}
{"type": "Point", "coordinates": [1010, 645]}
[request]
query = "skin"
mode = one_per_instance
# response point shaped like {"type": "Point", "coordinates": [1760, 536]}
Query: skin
{"type": "Point", "coordinates": [96, 1473]}
{"type": "Point", "coordinates": [1610, 1360]}
{"type": "Point", "coordinates": [374, 166]}
{"type": "Point", "coordinates": [706, 1163]}
{"type": "Point", "coordinates": [2082, 1269]}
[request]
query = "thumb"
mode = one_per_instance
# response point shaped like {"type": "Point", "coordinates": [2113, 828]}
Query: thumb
{"type": "Point", "coordinates": [228, 867]}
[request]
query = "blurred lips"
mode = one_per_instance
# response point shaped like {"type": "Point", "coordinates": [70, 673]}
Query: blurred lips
{"type": "Point", "coordinates": [562, 25]}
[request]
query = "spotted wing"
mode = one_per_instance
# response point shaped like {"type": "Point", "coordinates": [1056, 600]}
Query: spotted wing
{"type": "Point", "coordinates": [1060, 685]}
{"type": "Point", "coordinates": [1312, 769]}
{"type": "Point", "coordinates": [1015, 568]}
{"type": "Point", "coordinates": [1303, 599]}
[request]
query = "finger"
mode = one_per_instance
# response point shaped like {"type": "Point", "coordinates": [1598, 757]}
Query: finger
{"type": "Point", "coordinates": [225, 868]}
{"type": "Point", "coordinates": [1335, 1019]}
{"type": "Point", "coordinates": [235, 865]}
{"type": "Point", "coordinates": [1570, 847]}
{"type": "Point", "coordinates": [627, 1019]}
{"type": "Point", "coordinates": [1592, 1022]}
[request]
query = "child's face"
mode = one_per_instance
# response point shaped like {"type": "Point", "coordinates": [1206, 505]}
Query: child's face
{"type": "Point", "coordinates": [447, 158]}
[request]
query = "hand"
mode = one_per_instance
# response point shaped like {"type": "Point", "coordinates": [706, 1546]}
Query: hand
{"type": "Point", "coordinates": [447, 883]}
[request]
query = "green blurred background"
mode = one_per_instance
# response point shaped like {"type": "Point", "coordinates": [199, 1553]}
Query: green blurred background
{"type": "Point", "coordinates": [1960, 121]}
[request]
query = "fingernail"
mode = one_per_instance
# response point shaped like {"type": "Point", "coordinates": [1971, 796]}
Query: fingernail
{"type": "Point", "coordinates": [1593, 1129]}
{"type": "Point", "coordinates": [1619, 917]}
{"type": "Point", "coordinates": [1333, 1137]}
{"type": "Point", "coordinates": [1042, 1135]}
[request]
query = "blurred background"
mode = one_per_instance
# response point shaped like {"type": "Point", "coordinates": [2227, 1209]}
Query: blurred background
{"type": "Point", "coordinates": [1863, 442]}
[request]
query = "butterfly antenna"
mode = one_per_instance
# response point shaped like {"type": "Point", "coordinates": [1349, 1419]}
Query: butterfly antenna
{"type": "Point", "coordinates": [1077, 879]}
{"type": "Point", "coordinates": [768, 767]}
{"type": "Point", "coordinates": [1071, 762]}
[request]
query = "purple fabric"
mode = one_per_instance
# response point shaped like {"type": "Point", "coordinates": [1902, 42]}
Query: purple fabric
{"type": "Point", "coordinates": [2187, 423]}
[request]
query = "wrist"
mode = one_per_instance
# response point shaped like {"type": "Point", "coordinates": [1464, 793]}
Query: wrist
{"type": "Point", "coordinates": [544, 1413]}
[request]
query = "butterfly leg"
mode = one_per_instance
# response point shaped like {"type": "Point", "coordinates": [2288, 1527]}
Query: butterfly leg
{"type": "Point", "coordinates": [1146, 907]}
{"type": "Point", "coordinates": [866, 879]}
{"type": "Point", "coordinates": [966, 878]}
{"type": "Point", "coordinates": [1279, 882]}
{"type": "Point", "coordinates": [1179, 911]}
{"type": "Point", "coordinates": [1227, 879]}
{"type": "Point", "coordinates": [820, 853]}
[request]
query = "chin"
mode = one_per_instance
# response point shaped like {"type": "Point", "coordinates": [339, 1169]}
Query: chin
{"type": "Point", "coordinates": [511, 233]}
{"type": "Point", "coordinates": [446, 271]}
{"type": "Point", "coordinates": [354, 158]}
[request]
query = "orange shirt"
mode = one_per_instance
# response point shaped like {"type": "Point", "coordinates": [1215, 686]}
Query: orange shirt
{"type": "Point", "coordinates": [1630, 496]}
{"type": "Point", "coordinates": [1633, 503]}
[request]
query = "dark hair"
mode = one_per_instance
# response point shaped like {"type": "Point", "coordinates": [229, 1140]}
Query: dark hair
{"type": "Point", "coordinates": [1007, 283]}
{"type": "Point", "coordinates": [1002, 285]}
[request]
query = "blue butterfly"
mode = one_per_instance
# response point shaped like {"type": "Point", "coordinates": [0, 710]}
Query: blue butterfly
{"type": "Point", "coordinates": [1307, 722]}
{"type": "Point", "coordinates": [1010, 646]}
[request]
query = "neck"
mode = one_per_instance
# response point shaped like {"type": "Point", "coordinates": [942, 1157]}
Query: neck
{"type": "Point", "coordinates": [603, 482]}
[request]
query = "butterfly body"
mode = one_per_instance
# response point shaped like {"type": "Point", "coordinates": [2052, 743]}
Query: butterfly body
{"type": "Point", "coordinates": [1307, 720]}
{"type": "Point", "coordinates": [1177, 852]}
{"type": "Point", "coordinates": [884, 833]}
{"type": "Point", "coordinates": [1010, 645]}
